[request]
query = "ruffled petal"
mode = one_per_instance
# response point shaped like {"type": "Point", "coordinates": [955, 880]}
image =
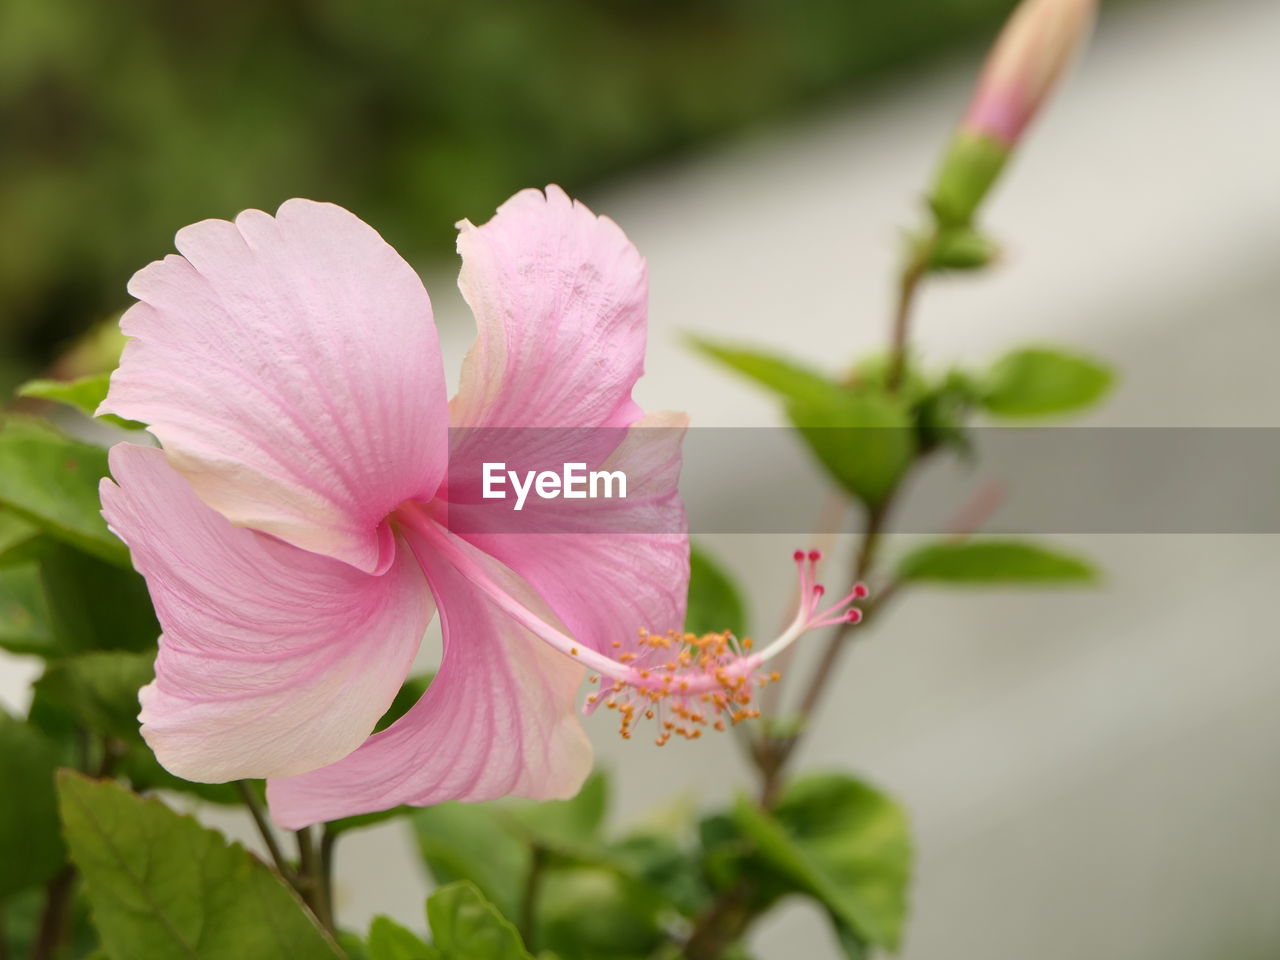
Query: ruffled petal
{"type": "Point", "coordinates": [291, 370]}
{"type": "Point", "coordinates": [274, 661]}
{"type": "Point", "coordinates": [560, 298]}
{"type": "Point", "coordinates": [498, 718]}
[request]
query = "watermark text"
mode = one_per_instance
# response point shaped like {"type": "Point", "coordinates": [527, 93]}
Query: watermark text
{"type": "Point", "coordinates": [573, 482]}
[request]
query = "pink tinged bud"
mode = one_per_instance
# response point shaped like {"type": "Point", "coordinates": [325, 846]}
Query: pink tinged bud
{"type": "Point", "coordinates": [1030, 56]}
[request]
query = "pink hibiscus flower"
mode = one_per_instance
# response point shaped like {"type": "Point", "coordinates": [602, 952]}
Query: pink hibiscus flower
{"type": "Point", "coordinates": [294, 529]}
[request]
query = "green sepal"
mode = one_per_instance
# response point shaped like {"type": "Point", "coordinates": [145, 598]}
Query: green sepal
{"type": "Point", "coordinates": [969, 169]}
{"type": "Point", "coordinates": [961, 248]}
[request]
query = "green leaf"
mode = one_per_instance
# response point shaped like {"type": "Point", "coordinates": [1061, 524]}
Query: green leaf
{"type": "Point", "coordinates": [390, 941]}
{"type": "Point", "coordinates": [661, 863]}
{"type": "Point", "coordinates": [853, 946]}
{"type": "Point", "coordinates": [21, 921]}
{"type": "Point", "coordinates": [100, 689]}
{"type": "Point", "coordinates": [586, 913]}
{"type": "Point", "coordinates": [30, 846]}
{"type": "Point", "coordinates": [15, 536]}
{"type": "Point", "coordinates": [353, 945]}
{"type": "Point", "coordinates": [864, 439]}
{"type": "Point", "coordinates": [140, 767]}
{"type": "Point", "coordinates": [1037, 382]}
{"type": "Point", "coordinates": [466, 926]}
{"type": "Point", "coordinates": [861, 434]}
{"type": "Point", "coordinates": [99, 692]}
{"type": "Point", "coordinates": [52, 481]}
{"type": "Point", "coordinates": [95, 605]}
{"type": "Point", "coordinates": [994, 563]}
{"type": "Point", "coordinates": [468, 841]}
{"type": "Point", "coordinates": [570, 828]}
{"type": "Point", "coordinates": [162, 887]}
{"type": "Point", "coordinates": [786, 377]}
{"type": "Point", "coordinates": [84, 394]}
{"type": "Point", "coordinates": [725, 853]}
{"type": "Point", "coordinates": [843, 843]}
{"type": "Point", "coordinates": [24, 614]}
{"type": "Point", "coordinates": [714, 601]}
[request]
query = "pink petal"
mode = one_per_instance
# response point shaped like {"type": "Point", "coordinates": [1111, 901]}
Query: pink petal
{"type": "Point", "coordinates": [273, 661]}
{"type": "Point", "coordinates": [607, 567]}
{"type": "Point", "coordinates": [560, 297]}
{"type": "Point", "coordinates": [497, 720]}
{"type": "Point", "coordinates": [290, 368]}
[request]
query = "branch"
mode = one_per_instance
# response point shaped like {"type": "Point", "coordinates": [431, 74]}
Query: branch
{"type": "Point", "coordinates": [264, 829]}
{"type": "Point", "coordinates": [54, 916]}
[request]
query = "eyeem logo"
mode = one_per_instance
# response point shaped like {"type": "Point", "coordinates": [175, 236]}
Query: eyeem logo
{"type": "Point", "coordinates": [574, 482]}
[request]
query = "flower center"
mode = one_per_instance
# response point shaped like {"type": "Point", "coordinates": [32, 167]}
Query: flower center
{"type": "Point", "coordinates": [688, 683]}
{"type": "Point", "coordinates": [685, 683]}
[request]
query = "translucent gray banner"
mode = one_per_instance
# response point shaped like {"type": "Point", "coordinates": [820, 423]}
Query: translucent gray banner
{"type": "Point", "coordinates": [767, 480]}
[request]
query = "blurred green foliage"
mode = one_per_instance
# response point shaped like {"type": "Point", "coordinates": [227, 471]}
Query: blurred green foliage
{"type": "Point", "coordinates": [122, 121]}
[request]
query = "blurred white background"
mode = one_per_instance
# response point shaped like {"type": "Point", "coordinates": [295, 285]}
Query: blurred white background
{"type": "Point", "coordinates": [1089, 773]}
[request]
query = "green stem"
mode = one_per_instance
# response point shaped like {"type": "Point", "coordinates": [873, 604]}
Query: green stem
{"type": "Point", "coordinates": [307, 882]}
{"type": "Point", "coordinates": [55, 915]}
{"type": "Point", "coordinates": [773, 754]}
{"type": "Point", "coordinates": [913, 272]}
{"type": "Point", "coordinates": [529, 901]}
{"type": "Point", "coordinates": [264, 829]}
{"type": "Point", "coordinates": [309, 885]}
{"type": "Point", "coordinates": [328, 844]}
{"type": "Point", "coordinates": [725, 921]}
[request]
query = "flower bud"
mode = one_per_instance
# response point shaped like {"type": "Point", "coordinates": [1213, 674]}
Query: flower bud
{"type": "Point", "coordinates": [1029, 57]}
{"type": "Point", "coordinates": [1033, 50]}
